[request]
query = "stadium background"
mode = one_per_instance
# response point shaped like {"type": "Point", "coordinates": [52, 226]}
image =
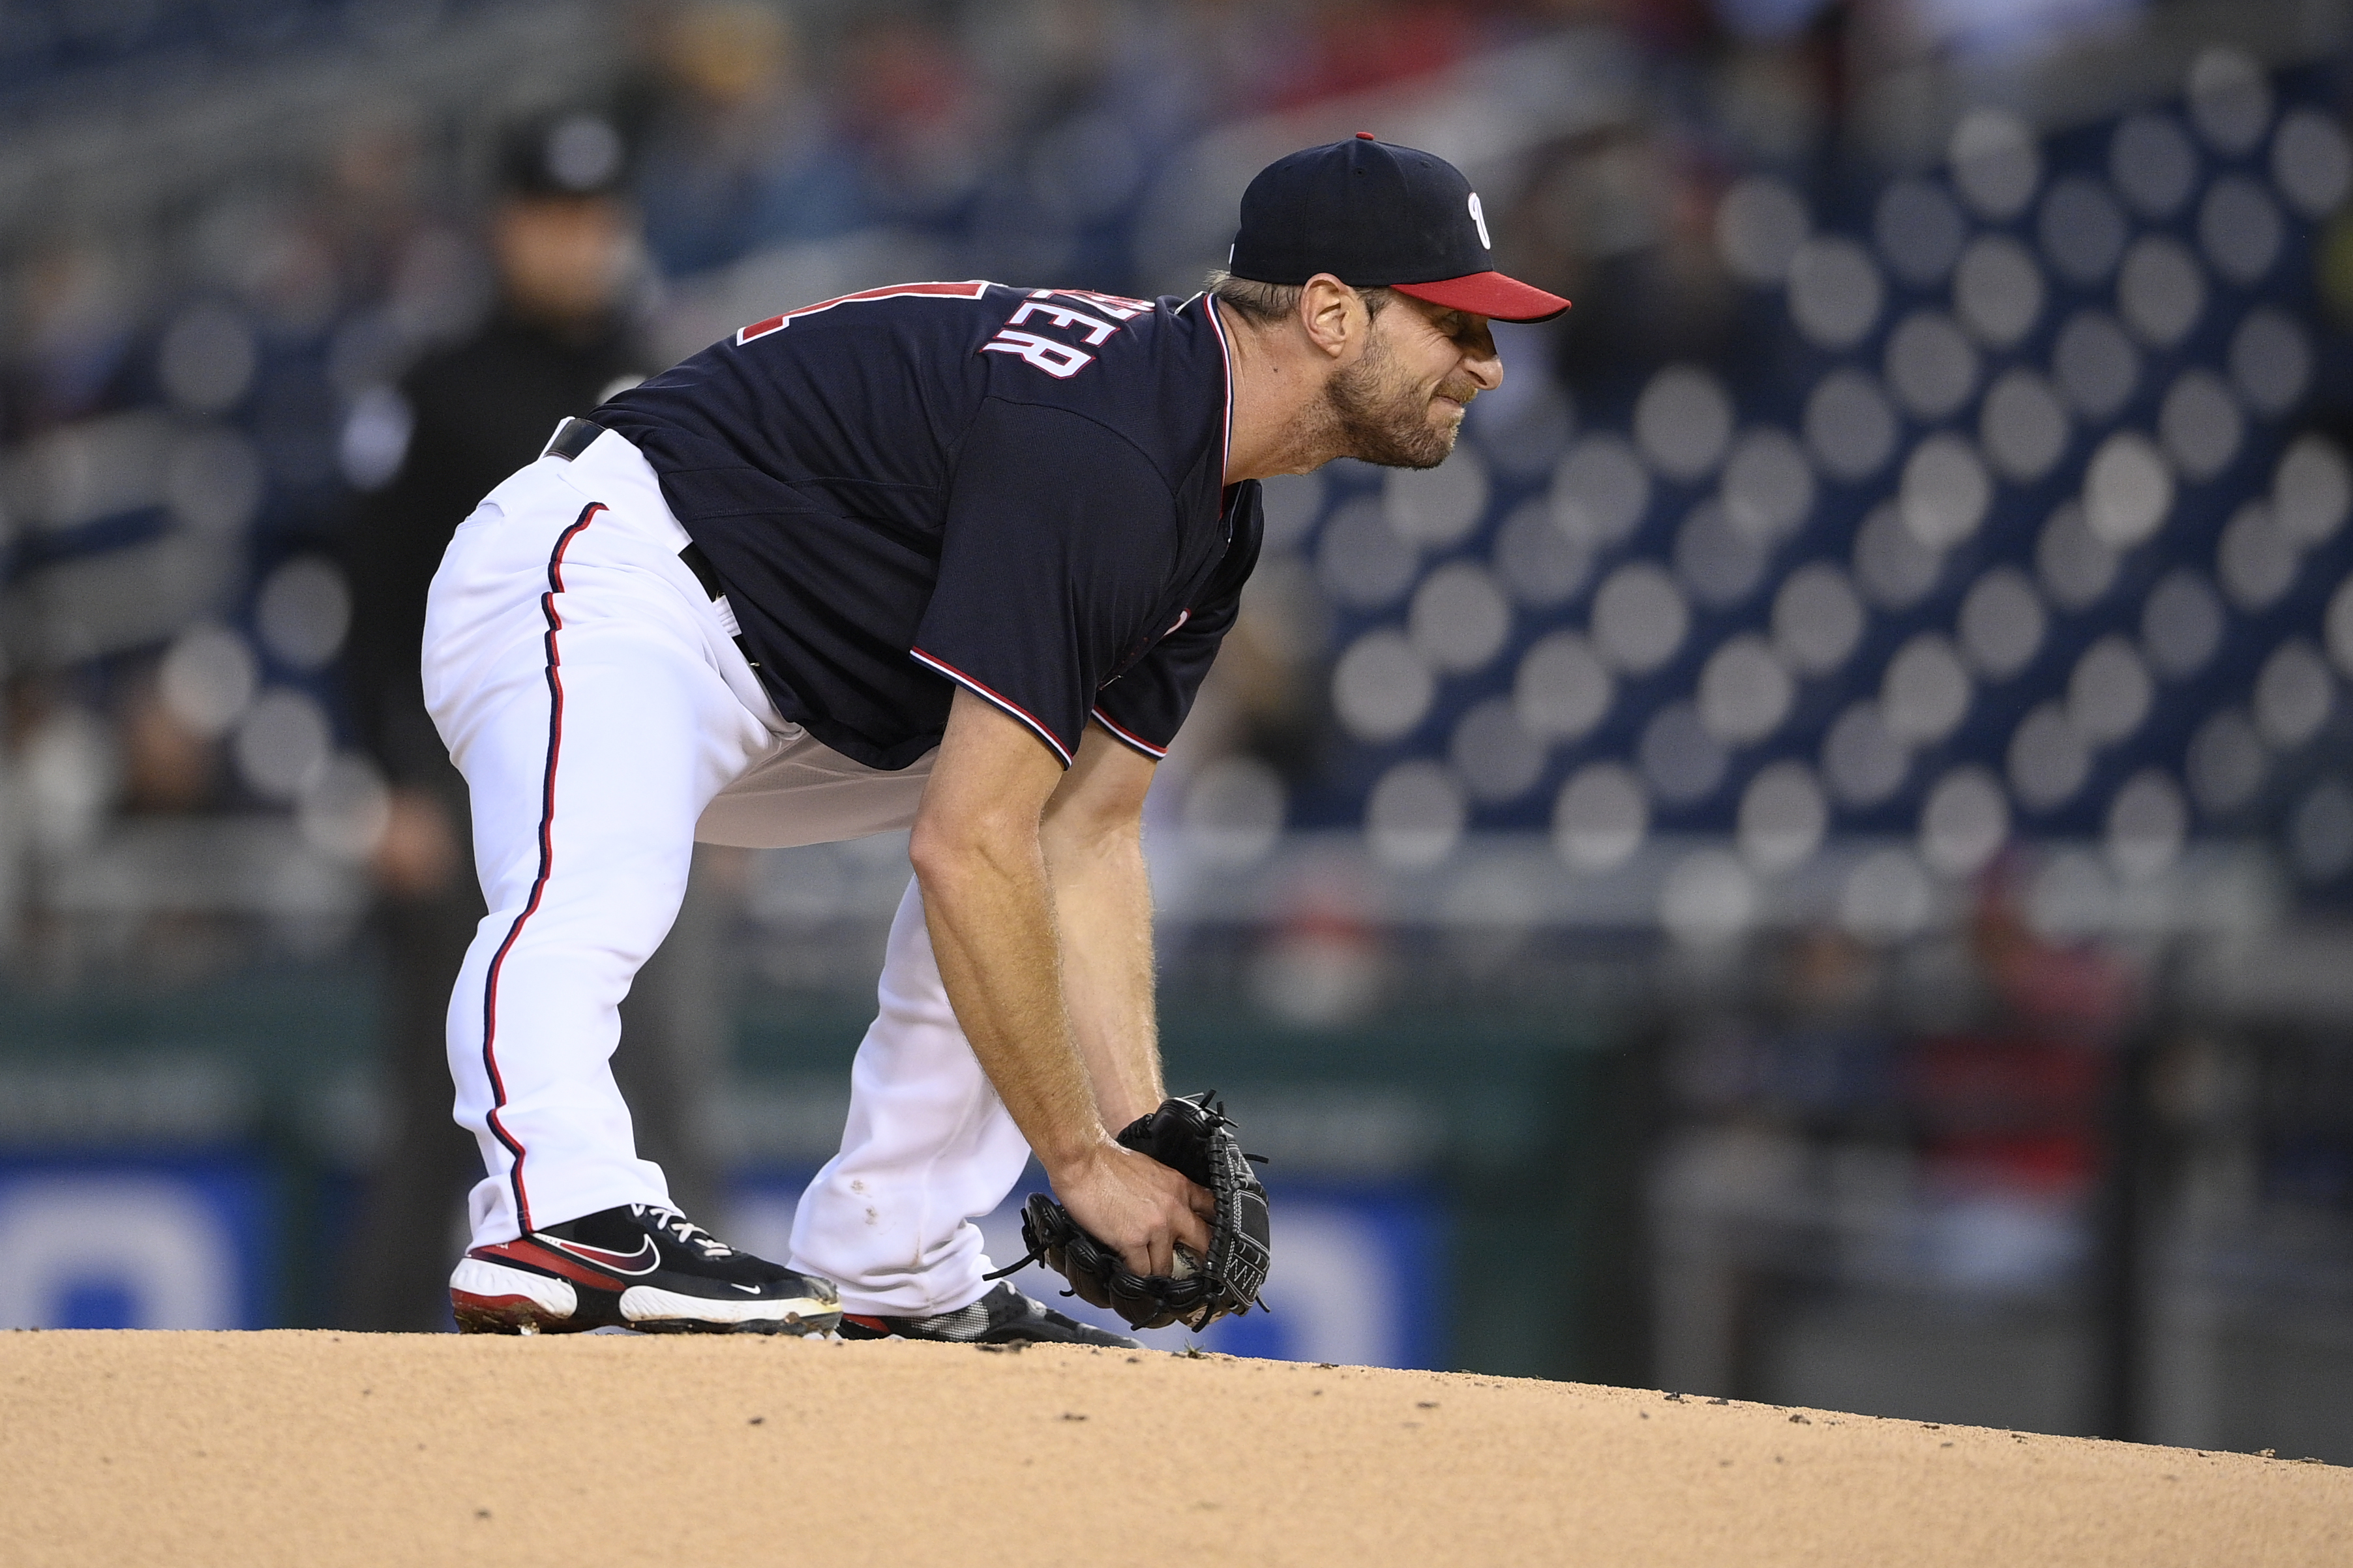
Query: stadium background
{"type": "Point", "coordinates": [1810, 862]}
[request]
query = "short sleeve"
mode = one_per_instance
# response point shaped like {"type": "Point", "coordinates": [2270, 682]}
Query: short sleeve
{"type": "Point", "coordinates": [1059, 542]}
{"type": "Point", "coordinates": [1146, 705]}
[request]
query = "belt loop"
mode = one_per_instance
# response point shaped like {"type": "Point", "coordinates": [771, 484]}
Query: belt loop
{"type": "Point", "coordinates": [572, 437]}
{"type": "Point", "coordinates": [705, 572]}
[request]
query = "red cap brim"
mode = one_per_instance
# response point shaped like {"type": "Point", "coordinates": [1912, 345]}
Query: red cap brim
{"type": "Point", "coordinates": [1488, 294]}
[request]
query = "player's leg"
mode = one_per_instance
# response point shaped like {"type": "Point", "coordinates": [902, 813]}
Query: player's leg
{"type": "Point", "coordinates": [576, 685]}
{"type": "Point", "coordinates": [928, 1147]}
{"type": "Point", "coordinates": [583, 802]}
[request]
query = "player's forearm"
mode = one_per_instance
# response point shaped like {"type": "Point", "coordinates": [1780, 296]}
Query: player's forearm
{"type": "Point", "coordinates": [987, 904]}
{"type": "Point", "coordinates": [1102, 900]}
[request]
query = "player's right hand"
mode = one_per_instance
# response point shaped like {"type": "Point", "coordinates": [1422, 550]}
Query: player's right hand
{"type": "Point", "coordinates": [1134, 1203]}
{"type": "Point", "coordinates": [419, 853]}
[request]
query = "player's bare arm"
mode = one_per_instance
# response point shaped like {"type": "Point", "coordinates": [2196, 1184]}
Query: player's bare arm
{"type": "Point", "coordinates": [979, 848]}
{"type": "Point", "coordinates": [1094, 840]}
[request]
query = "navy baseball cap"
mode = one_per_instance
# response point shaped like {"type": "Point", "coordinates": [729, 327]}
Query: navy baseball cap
{"type": "Point", "coordinates": [1374, 215]}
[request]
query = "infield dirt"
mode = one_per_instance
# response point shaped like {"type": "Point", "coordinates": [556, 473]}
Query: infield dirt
{"type": "Point", "coordinates": [199, 1449]}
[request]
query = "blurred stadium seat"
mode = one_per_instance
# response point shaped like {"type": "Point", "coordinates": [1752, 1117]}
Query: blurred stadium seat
{"type": "Point", "coordinates": [2015, 528]}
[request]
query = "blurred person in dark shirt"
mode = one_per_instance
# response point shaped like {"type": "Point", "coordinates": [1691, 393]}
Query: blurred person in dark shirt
{"type": "Point", "coordinates": [1627, 216]}
{"type": "Point", "coordinates": [565, 243]}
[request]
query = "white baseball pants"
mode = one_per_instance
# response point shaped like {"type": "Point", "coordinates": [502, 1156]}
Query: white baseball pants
{"type": "Point", "coordinates": [592, 694]}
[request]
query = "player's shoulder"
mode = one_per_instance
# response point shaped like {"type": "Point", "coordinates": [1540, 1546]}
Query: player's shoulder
{"type": "Point", "coordinates": [1157, 371]}
{"type": "Point", "coordinates": [1094, 316]}
{"type": "Point", "coordinates": [887, 305]}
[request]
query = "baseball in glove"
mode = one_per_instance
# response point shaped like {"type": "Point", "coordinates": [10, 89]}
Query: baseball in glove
{"type": "Point", "coordinates": [1192, 1137]}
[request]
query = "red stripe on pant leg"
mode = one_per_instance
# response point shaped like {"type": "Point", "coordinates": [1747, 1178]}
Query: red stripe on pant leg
{"type": "Point", "coordinates": [546, 862]}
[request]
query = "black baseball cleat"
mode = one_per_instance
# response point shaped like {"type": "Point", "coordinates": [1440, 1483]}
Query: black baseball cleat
{"type": "Point", "coordinates": [634, 1267]}
{"type": "Point", "coordinates": [1003, 1316]}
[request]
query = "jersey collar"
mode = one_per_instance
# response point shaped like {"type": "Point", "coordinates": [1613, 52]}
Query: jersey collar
{"type": "Point", "coordinates": [1225, 357]}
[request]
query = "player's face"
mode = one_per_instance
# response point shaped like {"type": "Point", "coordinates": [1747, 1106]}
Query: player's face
{"type": "Point", "coordinates": [1401, 403]}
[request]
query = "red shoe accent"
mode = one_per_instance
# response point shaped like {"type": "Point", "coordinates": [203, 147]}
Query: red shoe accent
{"type": "Point", "coordinates": [877, 1324]}
{"type": "Point", "coordinates": [542, 1259]}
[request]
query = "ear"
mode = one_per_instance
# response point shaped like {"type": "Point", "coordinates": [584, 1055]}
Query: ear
{"type": "Point", "coordinates": [1332, 314]}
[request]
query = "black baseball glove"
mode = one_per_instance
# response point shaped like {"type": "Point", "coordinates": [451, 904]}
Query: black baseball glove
{"type": "Point", "coordinates": [1193, 1138]}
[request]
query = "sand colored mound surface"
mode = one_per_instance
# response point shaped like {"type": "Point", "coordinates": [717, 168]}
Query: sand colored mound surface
{"type": "Point", "coordinates": [313, 1448]}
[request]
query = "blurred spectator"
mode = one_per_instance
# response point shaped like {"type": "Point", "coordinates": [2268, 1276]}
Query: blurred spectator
{"type": "Point", "coordinates": [743, 155]}
{"type": "Point", "coordinates": [1353, 47]}
{"type": "Point", "coordinates": [1211, 61]}
{"type": "Point", "coordinates": [167, 765]}
{"type": "Point", "coordinates": [2080, 989]}
{"type": "Point", "coordinates": [564, 242]}
{"type": "Point", "coordinates": [74, 325]}
{"type": "Point", "coordinates": [919, 121]}
{"type": "Point", "coordinates": [1623, 224]}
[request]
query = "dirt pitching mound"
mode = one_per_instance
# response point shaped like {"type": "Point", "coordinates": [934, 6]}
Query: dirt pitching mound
{"type": "Point", "coordinates": [315, 1448]}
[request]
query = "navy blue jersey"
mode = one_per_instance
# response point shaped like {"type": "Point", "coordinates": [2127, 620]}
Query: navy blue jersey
{"type": "Point", "coordinates": [1020, 491]}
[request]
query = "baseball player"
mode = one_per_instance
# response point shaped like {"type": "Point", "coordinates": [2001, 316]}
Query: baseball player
{"type": "Point", "coordinates": [947, 556]}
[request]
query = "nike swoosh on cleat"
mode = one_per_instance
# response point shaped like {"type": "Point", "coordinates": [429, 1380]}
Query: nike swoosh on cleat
{"type": "Point", "coordinates": [644, 1260]}
{"type": "Point", "coordinates": [747, 1289]}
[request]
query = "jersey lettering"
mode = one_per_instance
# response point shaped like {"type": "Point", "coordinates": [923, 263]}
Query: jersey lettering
{"type": "Point", "coordinates": [1059, 360]}
{"type": "Point", "coordinates": [971, 290]}
{"type": "Point", "coordinates": [1063, 317]}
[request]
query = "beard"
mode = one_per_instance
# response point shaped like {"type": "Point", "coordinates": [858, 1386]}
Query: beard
{"type": "Point", "coordinates": [1377, 415]}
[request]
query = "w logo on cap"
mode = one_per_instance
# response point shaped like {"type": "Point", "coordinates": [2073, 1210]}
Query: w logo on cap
{"type": "Point", "coordinates": [1378, 216]}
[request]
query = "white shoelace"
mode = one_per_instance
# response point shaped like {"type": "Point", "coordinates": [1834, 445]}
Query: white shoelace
{"type": "Point", "coordinates": [686, 1231]}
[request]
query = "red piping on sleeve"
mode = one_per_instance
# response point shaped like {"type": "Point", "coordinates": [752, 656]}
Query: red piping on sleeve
{"type": "Point", "coordinates": [1007, 703]}
{"type": "Point", "coordinates": [1138, 742]}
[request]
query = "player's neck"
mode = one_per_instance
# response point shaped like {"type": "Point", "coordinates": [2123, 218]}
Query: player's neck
{"type": "Point", "coordinates": [1282, 422]}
